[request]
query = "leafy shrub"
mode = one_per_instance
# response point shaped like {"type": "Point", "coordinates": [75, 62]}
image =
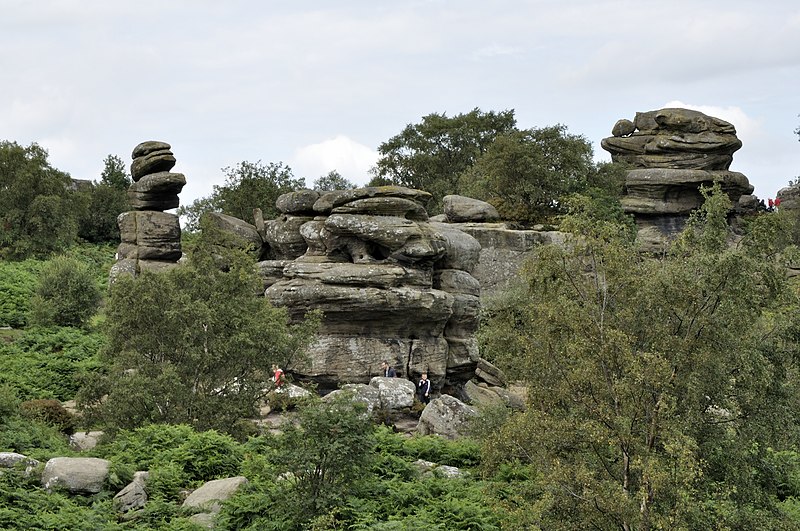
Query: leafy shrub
{"type": "Point", "coordinates": [67, 294]}
{"type": "Point", "coordinates": [17, 284]}
{"type": "Point", "coordinates": [148, 446]}
{"type": "Point", "coordinates": [208, 455]}
{"type": "Point", "coordinates": [167, 481]}
{"type": "Point", "coordinates": [9, 403]}
{"type": "Point", "coordinates": [50, 412]}
{"type": "Point", "coordinates": [460, 453]}
{"type": "Point", "coordinates": [32, 438]}
{"type": "Point", "coordinates": [48, 362]}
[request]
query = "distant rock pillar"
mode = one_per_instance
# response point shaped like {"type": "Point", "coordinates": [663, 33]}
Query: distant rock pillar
{"type": "Point", "coordinates": [150, 238]}
{"type": "Point", "coordinates": [672, 153]}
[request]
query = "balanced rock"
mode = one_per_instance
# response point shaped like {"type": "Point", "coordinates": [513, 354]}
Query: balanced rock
{"type": "Point", "coordinates": [156, 191]}
{"type": "Point", "coordinates": [151, 239]}
{"type": "Point", "coordinates": [674, 138]}
{"type": "Point", "coordinates": [674, 153]}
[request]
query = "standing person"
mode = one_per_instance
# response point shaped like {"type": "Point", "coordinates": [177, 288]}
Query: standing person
{"type": "Point", "coordinates": [388, 370]}
{"type": "Point", "coordinates": [771, 204]}
{"type": "Point", "coordinates": [277, 376]}
{"type": "Point", "coordinates": [424, 389]}
{"type": "Point", "coordinates": [777, 202]}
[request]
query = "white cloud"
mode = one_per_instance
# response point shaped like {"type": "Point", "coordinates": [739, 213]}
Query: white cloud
{"type": "Point", "coordinates": [341, 153]}
{"type": "Point", "coordinates": [495, 50]}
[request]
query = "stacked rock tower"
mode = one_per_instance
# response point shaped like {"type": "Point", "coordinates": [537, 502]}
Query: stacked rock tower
{"type": "Point", "coordinates": [151, 238]}
{"type": "Point", "coordinates": [673, 152]}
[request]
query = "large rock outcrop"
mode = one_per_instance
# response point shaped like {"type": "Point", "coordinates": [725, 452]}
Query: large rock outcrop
{"type": "Point", "coordinates": [673, 152]}
{"type": "Point", "coordinates": [383, 275]}
{"type": "Point", "coordinates": [150, 238]}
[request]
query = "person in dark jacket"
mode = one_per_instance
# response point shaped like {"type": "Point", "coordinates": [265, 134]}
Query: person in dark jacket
{"type": "Point", "coordinates": [387, 370]}
{"type": "Point", "coordinates": [424, 389]}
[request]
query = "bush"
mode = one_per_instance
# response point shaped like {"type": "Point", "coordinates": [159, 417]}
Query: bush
{"type": "Point", "coordinates": [67, 294]}
{"type": "Point", "coordinates": [17, 285]}
{"type": "Point", "coordinates": [51, 412]}
{"type": "Point", "coordinates": [49, 362]}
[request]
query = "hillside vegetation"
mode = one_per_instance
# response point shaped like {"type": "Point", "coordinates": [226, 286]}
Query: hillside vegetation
{"type": "Point", "coordinates": [663, 392]}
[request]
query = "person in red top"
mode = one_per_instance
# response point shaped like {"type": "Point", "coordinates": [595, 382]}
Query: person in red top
{"type": "Point", "coordinates": [770, 204]}
{"type": "Point", "coordinates": [277, 376]}
{"type": "Point", "coordinates": [777, 202]}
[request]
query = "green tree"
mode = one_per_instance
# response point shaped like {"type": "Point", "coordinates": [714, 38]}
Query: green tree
{"type": "Point", "coordinates": [327, 452]}
{"type": "Point", "coordinates": [655, 386]}
{"type": "Point", "coordinates": [37, 215]}
{"type": "Point", "coordinates": [332, 180]}
{"type": "Point", "coordinates": [115, 173]}
{"type": "Point", "coordinates": [192, 345]}
{"type": "Point", "coordinates": [527, 174]}
{"type": "Point", "coordinates": [432, 154]}
{"type": "Point", "coordinates": [66, 295]}
{"type": "Point", "coordinates": [248, 185]}
{"type": "Point", "coordinates": [103, 202]}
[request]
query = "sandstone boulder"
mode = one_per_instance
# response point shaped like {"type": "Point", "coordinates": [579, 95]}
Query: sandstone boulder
{"type": "Point", "coordinates": [674, 138]}
{"type": "Point", "coordinates": [459, 209]}
{"type": "Point", "coordinates": [490, 374]}
{"type": "Point", "coordinates": [209, 496]}
{"type": "Point", "coordinates": [154, 161]}
{"type": "Point", "coordinates": [394, 393]}
{"type": "Point", "coordinates": [78, 475]}
{"type": "Point", "coordinates": [298, 203]}
{"type": "Point", "coordinates": [384, 206]}
{"type": "Point", "coordinates": [84, 440]}
{"type": "Point", "coordinates": [13, 460]}
{"type": "Point", "coordinates": [145, 148]}
{"type": "Point", "coordinates": [446, 416]}
{"type": "Point", "coordinates": [133, 496]}
{"type": "Point", "coordinates": [283, 235]}
{"type": "Point", "coordinates": [330, 200]}
{"type": "Point", "coordinates": [366, 394]}
{"type": "Point", "coordinates": [462, 251]}
{"type": "Point", "coordinates": [235, 232]}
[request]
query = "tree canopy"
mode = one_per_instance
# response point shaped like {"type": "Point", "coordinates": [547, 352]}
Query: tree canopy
{"type": "Point", "coordinates": [187, 351]}
{"type": "Point", "coordinates": [36, 208]}
{"type": "Point", "coordinates": [332, 180]}
{"type": "Point", "coordinates": [525, 173]}
{"type": "Point", "coordinates": [655, 386]}
{"type": "Point", "coordinates": [248, 185]}
{"type": "Point", "coordinates": [432, 154]}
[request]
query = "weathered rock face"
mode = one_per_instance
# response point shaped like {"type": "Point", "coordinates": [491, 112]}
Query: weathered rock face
{"type": "Point", "coordinates": [673, 152]}
{"type": "Point", "coordinates": [368, 260]}
{"type": "Point", "coordinates": [151, 238]}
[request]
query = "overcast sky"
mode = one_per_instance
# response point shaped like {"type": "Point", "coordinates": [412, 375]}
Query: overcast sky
{"type": "Point", "coordinates": [319, 85]}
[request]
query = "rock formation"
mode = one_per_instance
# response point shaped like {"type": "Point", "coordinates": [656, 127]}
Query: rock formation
{"type": "Point", "coordinates": [503, 249]}
{"type": "Point", "coordinates": [151, 238]}
{"type": "Point", "coordinates": [391, 284]}
{"type": "Point", "coordinates": [673, 152]}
